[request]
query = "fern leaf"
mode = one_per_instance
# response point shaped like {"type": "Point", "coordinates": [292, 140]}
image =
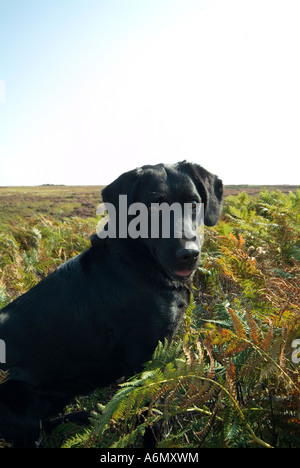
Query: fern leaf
{"type": "Point", "coordinates": [253, 328]}
{"type": "Point", "coordinates": [266, 343]}
{"type": "Point", "coordinates": [233, 429]}
{"type": "Point", "coordinates": [237, 324]}
{"type": "Point", "coordinates": [130, 438]}
{"type": "Point", "coordinates": [78, 440]}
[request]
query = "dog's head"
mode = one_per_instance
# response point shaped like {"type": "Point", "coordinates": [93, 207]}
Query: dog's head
{"type": "Point", "coordinates": [162, 203]}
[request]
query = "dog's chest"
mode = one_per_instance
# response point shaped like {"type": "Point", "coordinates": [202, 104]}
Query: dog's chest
{"type": "Point", "coordinates": [172, 311]}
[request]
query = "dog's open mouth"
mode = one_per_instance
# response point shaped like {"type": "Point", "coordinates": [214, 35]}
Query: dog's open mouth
{"type": "Point", "coordinates": [183, 274]}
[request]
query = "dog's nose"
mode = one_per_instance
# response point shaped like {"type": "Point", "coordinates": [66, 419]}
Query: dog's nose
{"type": "Point", "coordinates": [187, 256]}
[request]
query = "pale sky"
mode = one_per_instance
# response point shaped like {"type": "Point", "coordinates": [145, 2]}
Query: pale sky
{"type": "Point", "coordinates": [92, 88]}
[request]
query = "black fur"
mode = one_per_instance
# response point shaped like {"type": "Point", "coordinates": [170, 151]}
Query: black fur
{"type": "Point", "coordinates": [100, 315]}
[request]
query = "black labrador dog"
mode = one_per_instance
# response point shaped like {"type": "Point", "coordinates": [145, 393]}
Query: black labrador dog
{"type": "Point", "coordinates": [100, 315]}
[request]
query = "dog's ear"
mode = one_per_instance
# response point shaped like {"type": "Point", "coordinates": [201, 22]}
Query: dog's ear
{"type": "Point", "coordinates": [210, 189]}
{"type": "Point", "coordinates": [126, 184]}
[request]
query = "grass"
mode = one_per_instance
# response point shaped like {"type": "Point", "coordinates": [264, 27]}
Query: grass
{"type": "Point", "coordinates": [21, 203]}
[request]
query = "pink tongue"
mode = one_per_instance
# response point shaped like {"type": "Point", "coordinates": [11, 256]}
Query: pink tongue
{"type": "Point", "coordinates": [183, 272]}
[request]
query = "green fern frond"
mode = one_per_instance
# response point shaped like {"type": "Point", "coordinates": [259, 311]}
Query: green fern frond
{"type": "Point", "coordinates": [78, 440]}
